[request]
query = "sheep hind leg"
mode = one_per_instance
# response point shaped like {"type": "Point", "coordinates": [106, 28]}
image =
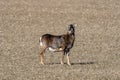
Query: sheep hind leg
{"type": "Point", "coordinates": [62, 59]}
{"type": "Point", "coordinates": [41, 56]}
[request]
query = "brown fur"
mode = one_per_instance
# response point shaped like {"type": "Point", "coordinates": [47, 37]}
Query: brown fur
{"type": "Point", "coordinates": [57, 43]}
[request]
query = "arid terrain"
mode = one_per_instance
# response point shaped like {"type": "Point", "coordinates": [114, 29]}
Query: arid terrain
{"type": "Point", "coordinates": [96, 52]}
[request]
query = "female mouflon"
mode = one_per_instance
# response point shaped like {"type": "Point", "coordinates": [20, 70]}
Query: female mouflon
{"type": "Point", "coordinates": [58, 43]}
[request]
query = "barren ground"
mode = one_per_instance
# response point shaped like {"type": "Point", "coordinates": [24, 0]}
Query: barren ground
{"type": "Point", "coordinates": [95, 55]}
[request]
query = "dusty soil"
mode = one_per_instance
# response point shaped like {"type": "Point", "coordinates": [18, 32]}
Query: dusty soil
{"type": "Point", "coordinates": [95, 55]}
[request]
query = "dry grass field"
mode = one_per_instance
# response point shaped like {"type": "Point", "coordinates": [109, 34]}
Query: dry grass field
{"type": "Point", "coordinates": [95, 55]}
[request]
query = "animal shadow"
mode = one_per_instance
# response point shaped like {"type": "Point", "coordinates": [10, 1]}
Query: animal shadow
{"type": "Point", "coordinates": [83, 63]}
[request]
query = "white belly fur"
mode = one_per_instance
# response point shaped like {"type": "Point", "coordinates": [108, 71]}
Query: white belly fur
{"type": "Point", "coordinates": [51, 49]}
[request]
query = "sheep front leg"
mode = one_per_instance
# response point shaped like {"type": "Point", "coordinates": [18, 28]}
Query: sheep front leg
{"type": "Point", "coordinates": [68, 60]}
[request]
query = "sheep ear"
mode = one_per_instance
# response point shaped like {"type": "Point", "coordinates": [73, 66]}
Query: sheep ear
{"type": "Point", "coordinates": [75, 24]}
{"type": "Point", "coordinates": [70, 25]}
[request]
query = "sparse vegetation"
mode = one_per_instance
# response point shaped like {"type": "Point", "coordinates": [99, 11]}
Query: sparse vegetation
{"type": "Point", "coordinates": [95, 55]}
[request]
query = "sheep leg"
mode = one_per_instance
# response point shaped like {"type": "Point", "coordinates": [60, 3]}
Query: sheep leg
{"type": "Point", "coordinates": [41, 56]}
{"type": "Point", "coordinates": [62, 60]}
{"type": "Point", "coordinates": [68, 60]}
